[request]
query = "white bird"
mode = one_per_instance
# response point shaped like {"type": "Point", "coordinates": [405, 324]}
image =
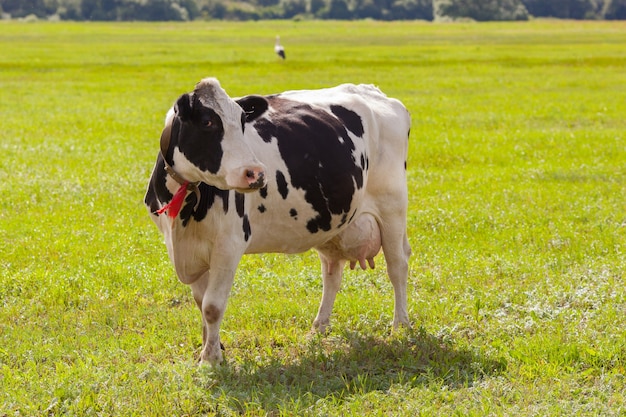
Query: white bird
{"type": "Point", "coordinates": [278, 48]}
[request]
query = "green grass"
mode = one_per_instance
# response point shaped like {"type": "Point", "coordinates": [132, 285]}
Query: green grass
{"type": "Point", "coordinates": [517, 221]}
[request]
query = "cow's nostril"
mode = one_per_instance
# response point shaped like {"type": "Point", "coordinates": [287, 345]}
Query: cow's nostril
{"type": "Point", "coordinates": [254, 175]}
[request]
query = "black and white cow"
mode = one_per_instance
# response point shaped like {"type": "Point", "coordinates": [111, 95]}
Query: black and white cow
{"type": "Point", "coordinates": [323, 169]}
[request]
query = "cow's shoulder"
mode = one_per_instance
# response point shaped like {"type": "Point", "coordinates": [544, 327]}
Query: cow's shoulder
{"type": "Point", "coordinates": [322, 148]}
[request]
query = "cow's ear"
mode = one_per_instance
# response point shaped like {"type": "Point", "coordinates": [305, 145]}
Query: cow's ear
{"type": "Point", "coordinates": [183, 107]}
{"type": "Point", "coordinates": [253, 106]}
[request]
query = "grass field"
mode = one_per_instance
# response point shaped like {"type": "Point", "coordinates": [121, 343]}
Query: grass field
{"type": "Point", "coordinates": [517, 221]}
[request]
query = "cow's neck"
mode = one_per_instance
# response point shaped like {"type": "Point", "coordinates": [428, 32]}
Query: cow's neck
{"type": "Point", "coordinates": [190, 186]}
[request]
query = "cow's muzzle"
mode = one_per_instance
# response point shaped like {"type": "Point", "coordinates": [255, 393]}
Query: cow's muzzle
{"type": "Point", "coordinates": [247, 179]}
{"type": "Point", "coordinates": [255, 178]}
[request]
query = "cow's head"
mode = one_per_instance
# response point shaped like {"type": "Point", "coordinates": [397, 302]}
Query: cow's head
{"type": "Point", "coordinates": [203, 140]}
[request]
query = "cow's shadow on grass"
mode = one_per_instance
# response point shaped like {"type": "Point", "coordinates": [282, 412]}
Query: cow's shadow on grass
{"type": "Point", "coordinates": [341, 366]}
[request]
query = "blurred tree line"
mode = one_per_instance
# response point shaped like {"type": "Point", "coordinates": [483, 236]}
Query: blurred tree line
{"type": "Point", "coordinates": [181, 10]}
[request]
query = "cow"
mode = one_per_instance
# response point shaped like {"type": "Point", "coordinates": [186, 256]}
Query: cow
{"type": "Point", "coordinates": [282, 173]}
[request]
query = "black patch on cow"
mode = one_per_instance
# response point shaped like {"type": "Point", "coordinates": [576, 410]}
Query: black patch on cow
{"type": "Point", "coordinates": [183, 107]}
{"type": "Point", "coordinates": [253, 106]}
{"type": "Point", "coordinates": [343, 220]}
{"type": "Point", "coordinates": [197, 131]}
{"type": "Point", "coordinates": [158, 195]}
{"type": "Point", "coordinates": [321, 221]}
{"type": "Point", "coordinates": [224, 194]}
{"type": "Point", "coordinates": [293, 213]}
{"type": "Point", "coordinates": [247, 231]}
{"type": "Point", "coordinates": [281, 182]}
{"type": "Point", "coordinates": [363, 162]}
{"type": "Point", "coordinates": [317, 151]}
{"type": "Point", "coordinates": [263, 192]}
{"type": "Point", "coordinates": [187, 212]}
{"type": "Point", "coordinates": [262, 208]}
{"type": "Point", "coordinates": [240, 199]}
{"type": "Point", "coordinates": [208, 196]}
{"type": "Point", "coordinates": [157, 191]}
{"type": "Point", "coordinates": [351, 120]}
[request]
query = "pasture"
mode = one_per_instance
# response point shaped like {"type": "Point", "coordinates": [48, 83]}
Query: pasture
{"type": "Point", "coordinates": [517, 221]}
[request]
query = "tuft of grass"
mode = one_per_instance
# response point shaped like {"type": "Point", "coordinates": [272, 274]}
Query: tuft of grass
{"type": "Point", "coordinates": [516, 220]}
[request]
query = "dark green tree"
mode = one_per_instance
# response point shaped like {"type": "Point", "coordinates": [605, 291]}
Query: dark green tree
{"type": "Point", "coordinates": [99, 9]}
{"type": "Point", "coordinates": [336, 9]}
{"type": "Point", "coordinates": [614, 10]}
{"type": "Point", "coordinates": [22, 8]}
{"type": "Point", "coordinates": [215, 9]}
{"type": "Point", "coordinates": [314, 6]}
{"type": "Point", "coordinates": [563, 9]}
{"type": "Point", "coordinates": [482, 10]}
{"type": "Point", "coordinates": [266, 3]}
{"type": "Point", "coordinates": [412, 9]}
{"type": "Point", "coordinates": [292, 8]}
{"type": "Point", "coordinates": [364, 9]}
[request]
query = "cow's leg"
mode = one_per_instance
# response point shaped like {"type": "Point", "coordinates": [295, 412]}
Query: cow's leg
{"type": "Point", "coordinates": [211, 293]}
{"type": "Point", "coordinates": [397, 252]}
{"type": "Point", "coordinates": [332, 271]}
{"type": "Point", "coordinates": [198, 288]}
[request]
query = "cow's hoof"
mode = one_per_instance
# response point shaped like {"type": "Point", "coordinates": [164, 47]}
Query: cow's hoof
{"type": "Point", "coordinates": [404, 324]}
{"type": "Point", "coordinates": [321, 327]}
{"type": "Point", "coordinates": [212, 357]}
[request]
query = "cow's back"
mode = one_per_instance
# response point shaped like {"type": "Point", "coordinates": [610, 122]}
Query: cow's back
{"type": "Point", "coordinates": [315, 193]}
{"type": "Point", "coordinates": [386, 120]}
